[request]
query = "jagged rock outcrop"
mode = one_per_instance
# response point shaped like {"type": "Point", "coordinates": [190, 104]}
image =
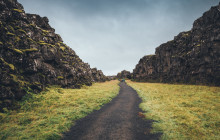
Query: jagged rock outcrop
{"type": "Point", "coordinates": [98, 75]}
{"type": "Point", "coordinates": [192, 57]}
{"type": "Point", "coordinates": [124, 75]}
{"type": "Point", "coordinates": [32, 56]}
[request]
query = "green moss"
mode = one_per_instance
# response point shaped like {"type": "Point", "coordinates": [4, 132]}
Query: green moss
{"type": "Point", "coordinates": [62, 48]}
{"type": "Point", "coordinates": [45, 31]}
{"type": "Point", "coordinates": [18, 51]}
{"type": "Point", "coordinates": [12, 67]}
{"type": "Point", "coordinates": [65, 62]}
{"type": "Point", "coordinates": [14, 77]}
{"type": "Point", "coordinates": [17, 27]}
{"type": "Point", "coordinates": [22, 31]}
{"type": "Point", "coordinates": [32, 25]}
{"type": "Point", "coordinates": [52, 45]}
{"type": "Point", "coordinates": [17, 39]}
{"type": "Point", "coordinates": [60, 77]}
{"type": "Point", "coordinates": [58, 44]}
{"type": "Point", "coordinates": [198, 45]}
{"type": "Point", "coordinates": [30, 39]}
{"type": "Point", "coordinates": [36, 83]}
{"type": "Point", "coordinates": [42, 43]}
{"type": "Point", "coordinates": [10, 34]}
{"type": "Point", "coordinates": [18, 10]}
{"type": "Point", "coordinates": [11, 28]}
{"type": "Point", "coordinates": [30, 50]}
{"type": "Point", "coordinates": [20, 82]}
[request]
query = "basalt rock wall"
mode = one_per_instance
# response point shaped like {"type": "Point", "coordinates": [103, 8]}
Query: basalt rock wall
{"type": "Point", "coordinates": [191, 57]}
{"type": "Point", "coordinates": [33, 56]}
{"type": "Point", "coordinates": [124, 75]}
{"type": "Point", "coordinates": [98, 75]}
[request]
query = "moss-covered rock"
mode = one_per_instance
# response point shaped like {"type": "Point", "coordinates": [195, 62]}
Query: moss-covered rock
{"type": "Point", "coordinates": [192, 57]}
{"type": "Point", "coordinates": [33, 56]}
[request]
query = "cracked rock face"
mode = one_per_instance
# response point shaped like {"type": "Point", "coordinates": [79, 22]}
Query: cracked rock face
{"type": "Point", "coordinates": [192, 57]}
{"type": "Point", "coordinates": [33, 56]}
{"type": "Point", "coordinates": [98, 76]}
{"type": "Point", "coordinates": [124, 75]}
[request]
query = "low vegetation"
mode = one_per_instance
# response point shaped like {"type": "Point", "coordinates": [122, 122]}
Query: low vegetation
{"type": "Point", "coordinates": [181, 111]}
{"type": "Point", "coordinates": [48, 114]}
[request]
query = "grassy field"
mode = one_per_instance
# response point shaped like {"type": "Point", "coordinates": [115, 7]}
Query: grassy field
{"type": "Point", "coordinates": [181, 111]}
{"type": "Point", "coordinates": [47, 115]}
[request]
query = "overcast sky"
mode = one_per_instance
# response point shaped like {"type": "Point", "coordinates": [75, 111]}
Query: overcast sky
{"type": "Point", "coordinates": [113, 35]}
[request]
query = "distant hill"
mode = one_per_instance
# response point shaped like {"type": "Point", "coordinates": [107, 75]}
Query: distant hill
{"type": "Point", "coordinates": [33, 56]}
{"type": "Point", "coordinates": [191, 57]}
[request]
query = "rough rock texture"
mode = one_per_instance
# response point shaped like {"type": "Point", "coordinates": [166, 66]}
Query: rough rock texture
{"type": "Point", "coordinates": [98, 75]}
{"type": "Point", "coordinates": [124, 75]}
{"type": "Point", "coordinates": [32, 56]}
{"type": "Point", "coordinates": [192, 57]}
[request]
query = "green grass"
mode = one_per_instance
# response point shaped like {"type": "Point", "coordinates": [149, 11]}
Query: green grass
{"type": "Point", "coordinates": [48, 114]}
{"type": "Point", "coordinates": [181, 111]}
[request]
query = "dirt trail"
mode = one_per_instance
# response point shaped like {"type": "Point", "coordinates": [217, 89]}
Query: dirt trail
{"type": "Point", "coordinates": [118, 120]}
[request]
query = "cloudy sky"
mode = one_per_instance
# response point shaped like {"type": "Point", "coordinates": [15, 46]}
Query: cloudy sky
{"type": "Point", "coordinates": [113, 35]}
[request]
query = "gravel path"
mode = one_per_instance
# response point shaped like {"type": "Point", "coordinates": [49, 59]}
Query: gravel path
{"type": "Point", "coordinates": [118, 120]}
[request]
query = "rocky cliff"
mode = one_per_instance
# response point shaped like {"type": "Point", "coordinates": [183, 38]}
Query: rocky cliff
{"type": "Point", "coordinates": [32, 56]}
{"type": "Point", "coordinates": [98, 75]}
{"type": "Point", "coordinates": [191, 57]}
{"type": "Point", "coordinates": [124, 75]}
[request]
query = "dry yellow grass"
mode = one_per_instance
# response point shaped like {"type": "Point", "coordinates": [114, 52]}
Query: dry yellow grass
{"type": "Point", "coordinates": [47, 115]}
{"type": "Point", "coordinates": [181, 111]}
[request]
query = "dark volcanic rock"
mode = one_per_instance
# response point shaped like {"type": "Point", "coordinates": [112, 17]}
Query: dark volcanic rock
{"type": "Point", "coordinates": [124, 75]}
{"type": "Point", "coordinates": [192, 57]}
{"type": "Point", "coordinates": [32, 56]}
{"type": "Point", "coordinates": [98, 75]}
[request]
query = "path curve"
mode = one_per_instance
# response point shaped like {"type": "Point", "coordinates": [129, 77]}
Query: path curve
{"type": "Point", "coordinates": [118, 120]}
